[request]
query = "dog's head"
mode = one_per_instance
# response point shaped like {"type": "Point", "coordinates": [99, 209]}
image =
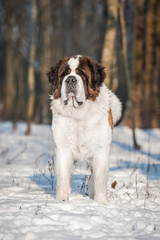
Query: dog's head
{"type": "Point", "coordinates": [76, 79]}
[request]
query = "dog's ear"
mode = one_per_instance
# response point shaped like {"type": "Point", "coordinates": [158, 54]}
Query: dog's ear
{"type": "Point", "coordinates": [54, 79]}
{"type": "Point", "coordinates": [53, 75]}
{"type": "Point", "coordinates": [97, 73]}
{"type": "Point", "coordinates": [96, 78]}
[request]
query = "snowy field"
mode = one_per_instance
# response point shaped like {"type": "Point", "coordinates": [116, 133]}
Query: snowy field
{"type": "Point", "coordinates": [28, 209]}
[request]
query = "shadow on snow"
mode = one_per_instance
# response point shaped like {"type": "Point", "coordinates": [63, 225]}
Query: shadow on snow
{"type": "Point", "coordinates": [48, 183]}
{"type": "Point", "coordinates": [131, 149]}
{"type": "Point", "coordinates": [152, 171]}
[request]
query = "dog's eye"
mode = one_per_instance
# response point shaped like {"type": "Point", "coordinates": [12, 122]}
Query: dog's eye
{"type": "Point", "coordinates": [82, 73]}
{"type": "Point", "coordinates": [64, 73]}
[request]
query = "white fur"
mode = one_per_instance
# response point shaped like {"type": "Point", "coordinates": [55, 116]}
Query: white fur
{"type": "Point", "coordinates": [84, 134]}
{"type": "Point", "coordinates": [73, 63]}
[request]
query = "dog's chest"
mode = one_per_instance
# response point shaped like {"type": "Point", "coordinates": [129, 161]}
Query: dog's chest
{"type": "Point", "coordinates": [83, 141]}
{"type": "Point", "coordinates": [82, 137]}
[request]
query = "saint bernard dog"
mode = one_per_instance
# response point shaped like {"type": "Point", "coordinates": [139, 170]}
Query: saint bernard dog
{"type": "Point", "coordinates": [84, 112]}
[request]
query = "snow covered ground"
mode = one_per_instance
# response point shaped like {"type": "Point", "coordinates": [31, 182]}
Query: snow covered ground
{"type": "Point", "coordinates": [28, 209]}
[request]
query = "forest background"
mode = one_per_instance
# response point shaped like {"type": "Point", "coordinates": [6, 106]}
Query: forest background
{"type": "Point", "coordinates": [123, 35]}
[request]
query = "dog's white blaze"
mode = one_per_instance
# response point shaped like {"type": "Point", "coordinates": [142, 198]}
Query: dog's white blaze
{"type": "Point", "coordinates": [73, 63]}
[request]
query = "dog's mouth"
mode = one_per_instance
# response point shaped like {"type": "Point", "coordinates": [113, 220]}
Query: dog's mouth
{"type": "Point", "coordinates": [71, 100]}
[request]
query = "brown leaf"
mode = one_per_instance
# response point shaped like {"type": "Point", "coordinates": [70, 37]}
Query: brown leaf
{"type": "Point", "coordinates": [113, 185]}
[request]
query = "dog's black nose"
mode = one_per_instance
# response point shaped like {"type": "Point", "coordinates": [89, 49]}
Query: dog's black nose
{"type": "Point", "coordinates": [71, 84]}
{"type": "Point", "coordinates": [71, 80]}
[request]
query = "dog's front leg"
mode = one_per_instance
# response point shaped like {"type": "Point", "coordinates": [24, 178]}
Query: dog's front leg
{"type": "Point", "coordinates": [100, 172]}
{"type": "Point", "coordinates": [64, 165]}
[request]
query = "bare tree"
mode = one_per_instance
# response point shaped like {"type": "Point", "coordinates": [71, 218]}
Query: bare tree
{"type": "Point", "coordinates": [9, 87]}
{"type": "Point", "coordinates": [128, 75]}
{"type": "Point", "coordinates": [18, 109]}
{"type": "Point", "coordinates": [31, 69]}
{"type": "Point", "coordinates": [109, 40]}
{"type": "Point", "coordinates": [146, 76]}
{"type": "Point", "coordinates": [41, 111]}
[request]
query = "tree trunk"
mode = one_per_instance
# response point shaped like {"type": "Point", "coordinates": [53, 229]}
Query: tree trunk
{"type": "Point", "coordinates": [43, 101]}
{"type": "Point", "coordinates": [109, 40]}
{"type": "Point", "coordinates": [127, 72]}
{"type": "Point", "coordinates": [146, 64]}
{"type": "Point", "coordinates": [19, 103]}
{"type": "Point", "coordinates": [155, 71]}
{"type": "Point", "coordinates": [9, 89]}
{"type": "Point", "coordinates": [31, 70]}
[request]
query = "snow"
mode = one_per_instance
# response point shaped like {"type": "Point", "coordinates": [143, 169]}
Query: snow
{"type": "Point", "coordinates": [28, 209]}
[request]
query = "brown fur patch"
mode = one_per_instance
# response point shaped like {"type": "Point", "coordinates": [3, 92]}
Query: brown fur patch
{"type": "Point", "coordinates": [110, 118]}
{"type": "Point", "coordinates": [56, 93]}
{"type": "Point", "coordinates": [92, 94]}
{"type": "Point", "coordinates": [62, 66]}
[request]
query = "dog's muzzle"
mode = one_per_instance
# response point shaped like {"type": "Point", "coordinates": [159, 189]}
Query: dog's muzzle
{"type": "Point", "coordinates": [71, 83]}
{"type": "Point", "coordinates": [71, 91]}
